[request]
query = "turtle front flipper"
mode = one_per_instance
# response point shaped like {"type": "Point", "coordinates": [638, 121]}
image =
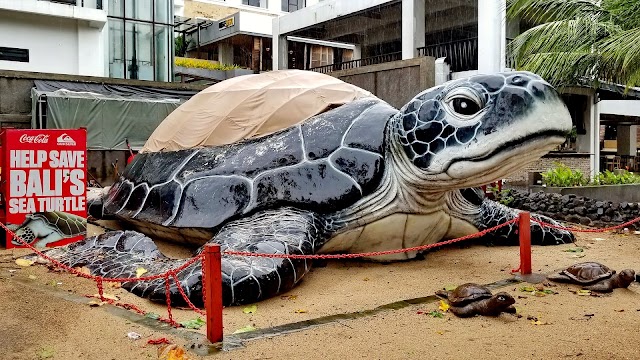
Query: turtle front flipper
{"type": "Point", "coordinates": [493, 213]}
{"type": "Point", "coordinates": [247, 279]}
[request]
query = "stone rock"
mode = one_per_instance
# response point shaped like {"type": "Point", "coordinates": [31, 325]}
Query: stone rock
{"type": "Point", "coordinates": [585, 220]}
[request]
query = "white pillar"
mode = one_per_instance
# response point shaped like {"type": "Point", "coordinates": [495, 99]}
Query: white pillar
{"type": "Point", "coordinates": [595, 169]}
{"type": "Point", "coordinates": [280, 48]}
{"type": "Point", "coordinates": [491, 35]}
{"type": "Point", "coordinates": [413, 22]}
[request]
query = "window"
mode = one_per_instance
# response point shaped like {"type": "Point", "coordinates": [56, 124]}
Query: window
{"type": "Point", "coordinates": [140, 39]}
{"type": "Point", "coordinates": [293, 5]}
{"type": "Point", "coordinates": [258, 3]}
{"type": "Point", "coordinates": [14, 54]}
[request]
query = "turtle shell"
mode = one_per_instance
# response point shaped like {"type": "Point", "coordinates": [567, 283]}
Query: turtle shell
{"type": "Point", "coordinates": [588, 272]}
{"type": "Point", "coordinates": [323, 165]}
{"type": "Point", "coordinates": [68, 225]}
{"type": "Point", "coordinates": [467, 293]}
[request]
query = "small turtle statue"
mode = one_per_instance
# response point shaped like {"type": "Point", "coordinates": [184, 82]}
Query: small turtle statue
{"type": "Point", "coordinates": [472, 299]}
{"type": "Point", "coordinates": [594, 276]}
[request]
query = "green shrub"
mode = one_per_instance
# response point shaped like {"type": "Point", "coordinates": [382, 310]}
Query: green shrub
{"type": "Point", "coordinates": [611, 178]}
{"type": "Point", "coordinates": [561, 176]}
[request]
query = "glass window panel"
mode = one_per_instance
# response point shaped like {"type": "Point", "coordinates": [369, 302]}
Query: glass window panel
{"type": "Point", "coordinates": [116, 8]}
{"type": "Point", "coordinates": [139, 46]}
{"type": "Point", "coordinates": [162, 11]}
{"type": "Point", "coordinates": [258, 3]}
{"type": "Point", "coordinates": [139, 9]}
{"type": "Point", "coordinates": [116, 49]}
{"type": "Point", "coordinates": [163, 52]}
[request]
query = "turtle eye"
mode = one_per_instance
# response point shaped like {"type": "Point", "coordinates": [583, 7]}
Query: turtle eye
{"type": "Point", "coordinates": [464, 102]}
{"type": "Point", "coordinates": [502, 298]}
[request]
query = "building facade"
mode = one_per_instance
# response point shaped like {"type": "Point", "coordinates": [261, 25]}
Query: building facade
{"type": "Point", "coordinates": [234, 32]}
{"type": "Point", "coordinates": [126, 39]}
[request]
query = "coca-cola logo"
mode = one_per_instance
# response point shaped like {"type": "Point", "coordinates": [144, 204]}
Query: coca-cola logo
{"type": "Point", "coordinates": [34, 139]}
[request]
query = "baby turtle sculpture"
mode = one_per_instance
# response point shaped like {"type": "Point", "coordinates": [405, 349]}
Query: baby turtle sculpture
{"type": "Point", "coordinates": [42, 228]}
{"type": "Point", "coordinates": [595, 276]}
{"type": "Point", "coordinates": [472, 299]}
{"type": "Point", "coordinates": [358, 178]}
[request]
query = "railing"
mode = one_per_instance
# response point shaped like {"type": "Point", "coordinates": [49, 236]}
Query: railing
{"type": "Point", "coordinates": [93, 4]}
{"type": "Point", "coordinates": [379, 59]}
{"type": "Point", "coordinates": [462, 54]}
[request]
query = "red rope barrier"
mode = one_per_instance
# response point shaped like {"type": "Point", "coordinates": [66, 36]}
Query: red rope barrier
{"type": "Point", "coordinates": [374, 253]}
{"type": "Point", "coordinates": [542, 223]}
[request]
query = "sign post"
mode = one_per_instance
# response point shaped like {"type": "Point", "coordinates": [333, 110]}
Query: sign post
{"type": "Point", "coordinates": [44, 177]}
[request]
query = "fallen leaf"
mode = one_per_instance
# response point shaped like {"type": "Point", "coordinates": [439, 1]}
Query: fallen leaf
{"type": "Point", "coordinates": [443, 306]}
{"type": "Point", "coordinates": [245, 329]}
{"type": "Point", "coordinates": [251, 309]}
{"type": "Point", "coordinates": [574, 250]}
{"type": "Point", "coordinates": [450, 287]}
{"type": "Point", "coordinates": [196, 323]}
{"type": "Point", "coordinates": [52, 283]}
{"type": "Point", "coordinates": [539, 322]}
{"type": "Point", "coordinates": [172, 352]}
{"type": "Point", "coordinates": [365, 279]}
{"type": "Point", "coordinates": [106, 296]}
{"type": "Point", "coordinates": [46, 352]}
{"type": "Point", "coordinates": [140, 271]}
{"type": "Point", "coordinates": [152, 316]}
{"type": "Point", "coordinates": [83, 270]}
{"type": "Point", "coordinates": [114, 284]}
{"type": "Point", "coordinates": [133, 335]}
{"type": "Point", "coordinates": [300, 311]}
{"type": "Point", "coordinates": [583, 292]}
{"type": "Point", "coordinates": [32, 277]}
{"type": "Point", "coordinates": [436, 314]}
{"type": "Point", "coordinates": [529, 289]}
{"type": "Point", "coordinates": [24, 262]}
{"type": "Point", "coordinates": [94, 303]}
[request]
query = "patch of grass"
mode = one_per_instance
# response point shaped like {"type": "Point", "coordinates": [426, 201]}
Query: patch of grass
{"type": "Point", "coordinates": [203, 64]}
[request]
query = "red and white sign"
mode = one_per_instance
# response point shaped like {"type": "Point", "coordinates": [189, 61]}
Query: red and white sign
{"type": "Point", "coordinates": [45, 175]}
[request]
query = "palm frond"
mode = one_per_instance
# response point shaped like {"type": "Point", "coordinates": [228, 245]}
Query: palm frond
{"type": "Point", "coordinates": [576, 35]}
{"type": "Point", "coordinates": [563, 68]}
{"type": "Point", "coordinates": [627, 12]}
{"type": "Point", "coordinates": [621, 57]}
{"type": "Point", "coordinates": [541, 11]}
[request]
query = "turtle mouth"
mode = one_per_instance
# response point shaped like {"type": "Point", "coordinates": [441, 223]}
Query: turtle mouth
{"type": "Point", "coordinates": [515, 143]}
{"type": "Point", "coordinates": [508, 157]}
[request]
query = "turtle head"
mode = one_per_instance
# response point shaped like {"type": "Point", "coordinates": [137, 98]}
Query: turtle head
{"type": "Point", "coordinates": [501, 301]}
{"type": "Point", "coordinates": [473, 131]}
{"type": "Point", "coordinates": [626, 276]}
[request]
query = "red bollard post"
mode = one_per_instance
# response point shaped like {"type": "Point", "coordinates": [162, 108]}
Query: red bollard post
{"type": "Point", "coordinates": [213, 292]}
{"type": "Point", "coordinates": [524, 231]}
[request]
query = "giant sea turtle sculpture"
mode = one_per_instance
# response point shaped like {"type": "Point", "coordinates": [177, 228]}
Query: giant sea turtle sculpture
{"type": "Point", "coordinates": [361, 177]}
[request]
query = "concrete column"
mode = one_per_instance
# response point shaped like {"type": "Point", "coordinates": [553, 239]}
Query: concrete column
{"type": "Point", "coordinates": [595, 169]}
{"type": "Point", "coordinates": [357, 52]}
{"type": "Point", "coordinates": [491, 35]}
{"type": "Point", "coordinates": [413, 22]}
{"type": "Point", "coordinates": [225, 53]}
{"type": "Point", "coordinates": [627, 140]}
{"type": "Point", "coordinates": [443, 71]}
{"type": "Point", "coordinates": [280, 48]}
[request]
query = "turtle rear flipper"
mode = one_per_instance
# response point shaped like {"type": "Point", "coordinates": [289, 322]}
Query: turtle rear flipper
{"type": "Point", "coordinates": [559, 277]}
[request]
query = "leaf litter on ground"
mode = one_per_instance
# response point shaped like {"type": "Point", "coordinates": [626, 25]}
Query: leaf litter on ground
{"type": "Point", "coordinates": [251, 309]}
{"type": "Point", "coordinates": [196, 323]}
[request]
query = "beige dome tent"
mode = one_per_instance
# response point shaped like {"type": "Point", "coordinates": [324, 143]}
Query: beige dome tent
{"type": "Point", "coordinates": [250, 106]}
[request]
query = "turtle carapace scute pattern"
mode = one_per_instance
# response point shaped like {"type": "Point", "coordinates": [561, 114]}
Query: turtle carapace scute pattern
{"type": "Point", "coordinates": [361, 177]}
{"type": "Point", "coordinates": [595, 276]}
{"type": "Point", "coordinates": [472, 299]}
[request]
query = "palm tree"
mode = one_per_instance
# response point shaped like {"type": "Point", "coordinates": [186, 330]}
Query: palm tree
{"type": "Point", "coordinates": [578, 41]}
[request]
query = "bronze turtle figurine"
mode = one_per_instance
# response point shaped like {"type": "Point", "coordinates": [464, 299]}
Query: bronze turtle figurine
{"type": "Point", "coordinates": [594, 276]}
{"type": "Point", "coordinates": [472, 299]}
